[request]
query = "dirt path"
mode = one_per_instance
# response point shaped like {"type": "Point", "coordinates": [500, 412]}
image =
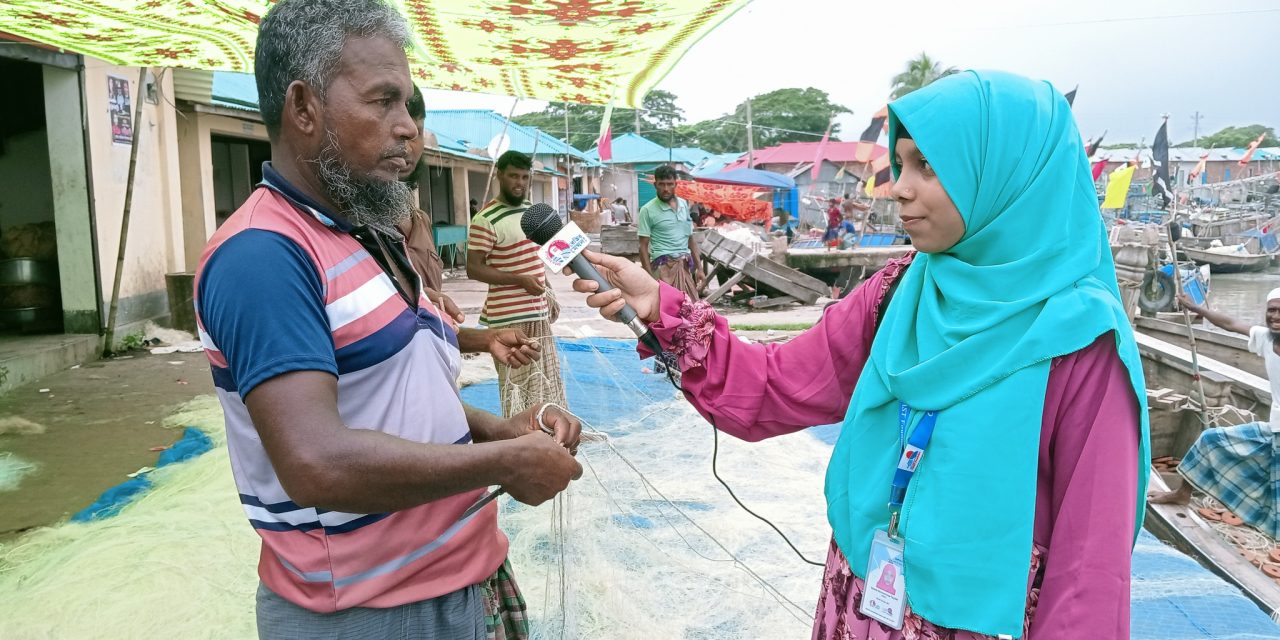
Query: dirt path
{"type": "Point", "coordinates": [101, 421]}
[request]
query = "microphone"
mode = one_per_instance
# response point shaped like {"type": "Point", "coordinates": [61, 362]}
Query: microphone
{"type": "Point", "coordinates": [561, 246]}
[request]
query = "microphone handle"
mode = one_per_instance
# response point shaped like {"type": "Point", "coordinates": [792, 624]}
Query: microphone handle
{"type": "Point", "coordinates": [581, 266]}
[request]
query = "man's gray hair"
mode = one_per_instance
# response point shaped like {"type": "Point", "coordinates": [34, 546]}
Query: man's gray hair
{"type": "Point", "coordinates": [303, 40]}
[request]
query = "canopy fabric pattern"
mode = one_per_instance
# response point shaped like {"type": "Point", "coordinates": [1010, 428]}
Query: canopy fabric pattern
{"type": "Point", "coordinates": [585, 51]}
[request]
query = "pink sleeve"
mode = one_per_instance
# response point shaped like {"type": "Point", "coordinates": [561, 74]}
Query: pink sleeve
{"type": "Point", "coordinates": [757, 391]}
{"type": "Point", "coordinates": [1089, 493]}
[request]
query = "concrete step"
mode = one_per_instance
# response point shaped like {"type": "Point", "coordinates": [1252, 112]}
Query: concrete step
{"type": "Point", "coordinates": [26, 359]}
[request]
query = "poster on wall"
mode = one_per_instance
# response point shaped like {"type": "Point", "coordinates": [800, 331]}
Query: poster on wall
{"type": "Point", "coordinates": [120, 110]}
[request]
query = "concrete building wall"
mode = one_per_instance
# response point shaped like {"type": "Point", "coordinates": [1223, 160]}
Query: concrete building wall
{"type": "Point", "coordinates": [476, 178]}
{"type": "Point", "coordinates": [155, 244]}
{"type": "Point", "coordinates": [195, 167]}
{"type": "Point", "coordinates": [72, 212]}
{"type": "Point", "coordinates": [620, 183]}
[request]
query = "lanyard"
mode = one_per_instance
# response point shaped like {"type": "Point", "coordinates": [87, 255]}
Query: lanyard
{"type": "Point", "coordinates": [912, 451]}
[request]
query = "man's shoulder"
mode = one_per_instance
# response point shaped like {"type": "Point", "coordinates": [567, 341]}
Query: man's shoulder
{"type": "Point", "coordinates": [498, 212]}
{"type": "Point", "coordinates": [267, 220]}
{"type": "Point", "coordinates": [1261, 340]}
{"type": "Point", "coordinates": [652, 206]}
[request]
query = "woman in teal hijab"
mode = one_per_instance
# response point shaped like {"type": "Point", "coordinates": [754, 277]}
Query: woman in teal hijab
{"type": "Point", "coordinates": [987, 478]}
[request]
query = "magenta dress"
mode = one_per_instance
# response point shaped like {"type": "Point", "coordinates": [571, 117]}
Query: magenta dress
{"type": "Point", "coordinates": [1086, 496]}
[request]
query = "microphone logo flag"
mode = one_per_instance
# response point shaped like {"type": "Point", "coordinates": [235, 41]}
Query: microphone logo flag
{"type": "Point", "coordinates": [563, 247]}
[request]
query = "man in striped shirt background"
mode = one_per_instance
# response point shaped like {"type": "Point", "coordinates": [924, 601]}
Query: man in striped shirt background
{"type": "Point", "coordinates": [499, 254]}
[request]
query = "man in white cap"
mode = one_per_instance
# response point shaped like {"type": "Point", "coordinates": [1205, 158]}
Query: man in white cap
{"type": "Point", "coordinates": [1238, 465]}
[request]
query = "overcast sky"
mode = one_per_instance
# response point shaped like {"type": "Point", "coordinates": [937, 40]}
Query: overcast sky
{"type": "Point", "coordinates": [1133, 61]}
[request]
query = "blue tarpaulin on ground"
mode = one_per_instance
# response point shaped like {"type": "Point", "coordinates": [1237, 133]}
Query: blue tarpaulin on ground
{"type": "Point", "coordinates": [1172, 597]}
{"type": "Point", "coordinates": [192, 443]}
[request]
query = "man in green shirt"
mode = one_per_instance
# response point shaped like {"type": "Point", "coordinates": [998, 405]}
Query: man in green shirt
{"type": "Point", "coordinates": [667, 248]}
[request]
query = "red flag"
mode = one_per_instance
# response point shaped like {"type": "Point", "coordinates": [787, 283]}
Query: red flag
{"type": "Point", "coordinates": [1195, 173]}
{"type": "Point", "coordinates": [1253, 146]}
{"type": "Point", "coordinates": [1098, 168]}
{"type": "Point", "coordinates": [606, 144]}
{"type": "Point", "coordinates": [817, 156]}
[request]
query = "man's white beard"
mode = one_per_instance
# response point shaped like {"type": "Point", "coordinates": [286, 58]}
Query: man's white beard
{"type": "Point", "coordinates": [379, 204]}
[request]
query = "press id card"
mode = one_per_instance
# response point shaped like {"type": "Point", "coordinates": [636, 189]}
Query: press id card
{"type": "Point", "coordinates": [885, 596]}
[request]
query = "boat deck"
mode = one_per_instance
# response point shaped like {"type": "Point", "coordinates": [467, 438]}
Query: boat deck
{"type": "Point", "coordinates": [836, 259]}
{"type": "Point", "coordinates": [1169, 353]}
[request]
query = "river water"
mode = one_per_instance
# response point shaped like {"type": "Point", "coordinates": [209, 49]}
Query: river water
{"type": "Point", "coordinates": [1243, 295]}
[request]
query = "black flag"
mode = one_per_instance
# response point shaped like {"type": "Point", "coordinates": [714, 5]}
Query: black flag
{"type": "Point", "coordinates": [1071, 97]}
{"type": "Point", "coordinates": [1160, 160]}
{"type": "Point", "coordinates": [1093, 146]}
{"type": "Point", "coordinates": [884, 176]}
{"type": "Point", "coordinates": [877, 125]}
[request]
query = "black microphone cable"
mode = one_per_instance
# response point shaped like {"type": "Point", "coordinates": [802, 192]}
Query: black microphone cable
{"type": "Point", "coordinates": [670, 362]}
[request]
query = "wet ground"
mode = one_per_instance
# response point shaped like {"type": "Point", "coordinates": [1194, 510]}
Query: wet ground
{"type": "Point", "coordinates": [100, 422]}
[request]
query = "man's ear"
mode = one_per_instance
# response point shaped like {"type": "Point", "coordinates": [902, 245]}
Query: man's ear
{"type": "Point", "coordinates": [302, 109]}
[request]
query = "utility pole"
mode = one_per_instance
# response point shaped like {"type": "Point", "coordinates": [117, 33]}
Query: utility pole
{"type": "Point", "coordinates": [637, 121]}
{"type": "Point", "coordinates": [751, 147]}
{"type": "Point", "coordinates": [1197, 117]}
{"type": "Point", "coordinates": [568, 166]}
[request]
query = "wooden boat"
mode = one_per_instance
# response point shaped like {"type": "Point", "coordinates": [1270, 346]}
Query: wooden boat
{"type": "Point", "coordinates": [1229, 262]}
{"type": "Point", "coordinates": [1173, 430]}
{"type": "Point", "coordinates": [1229, 348]}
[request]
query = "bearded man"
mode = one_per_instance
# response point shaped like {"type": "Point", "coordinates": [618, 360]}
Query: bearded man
{"type": "Point", "coordinates": [356, 462]}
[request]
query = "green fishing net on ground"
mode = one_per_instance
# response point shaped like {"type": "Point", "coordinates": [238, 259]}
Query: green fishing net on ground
{"type": "Point", "coordinates": [645, 545]}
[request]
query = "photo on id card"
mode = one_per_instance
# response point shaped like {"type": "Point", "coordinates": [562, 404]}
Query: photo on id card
{"type": "Point", "coordinates": [885, 596]}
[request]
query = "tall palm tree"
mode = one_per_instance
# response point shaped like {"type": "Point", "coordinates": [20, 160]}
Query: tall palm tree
{"type": "Point", "coordinates": [920, 72]}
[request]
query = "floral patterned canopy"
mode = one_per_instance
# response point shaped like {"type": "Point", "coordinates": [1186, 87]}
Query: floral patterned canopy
{"type": "Point", "coordinates": [587, 51]}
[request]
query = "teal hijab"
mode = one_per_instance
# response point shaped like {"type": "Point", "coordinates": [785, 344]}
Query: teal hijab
{"type": "Point", "coordinates": [971, 333]}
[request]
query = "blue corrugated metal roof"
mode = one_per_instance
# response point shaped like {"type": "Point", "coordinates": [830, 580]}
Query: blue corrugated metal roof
{"type": "Point", "coordinates": [235, 90]}
{"type": "Point", "coordinates": [692, 156]}
{"type": "Point", "coordinates": [456, 130]}
{"type": "Point", "coordinates": [632, 148]}
{"type": "Point", "coordinates": [474, 128]}
{"type": "Point", "coordinates": [715, 163]}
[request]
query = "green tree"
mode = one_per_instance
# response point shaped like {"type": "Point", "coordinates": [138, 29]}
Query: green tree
{"type": "Point", "coordinates": [659, 113]}
{"type": "Point", "coordinates": [920, 72]}
{"type": "Point", "coordinates": [782, 115]}
{"type": "Point", "coordinates": [1238, 137]}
